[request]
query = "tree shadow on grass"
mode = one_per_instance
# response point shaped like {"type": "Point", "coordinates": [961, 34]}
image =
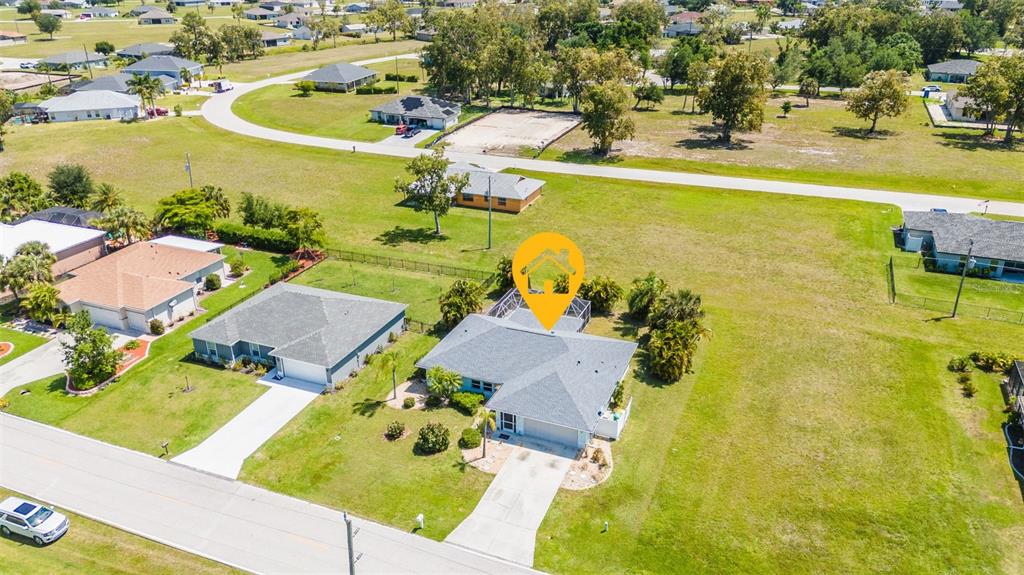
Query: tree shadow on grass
{"type": "Point", "coordinates": [367, 407]}
{"type": "Point", "coordinates": [627, 326]}
{"type": "Point", "coordinates": [399, 235]}
{"type": "Point", "coordinates": [708, 138]}
{"type": "Point", "coordinates": [587, 156]}
{"type": "Point", "coordinates": [280, 259]}
{"type": "Point", "coordinates": [974, 142]}
{"type": "Point", "coordinates": [861, 133]}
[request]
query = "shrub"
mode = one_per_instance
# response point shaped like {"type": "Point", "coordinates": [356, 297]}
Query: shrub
{"type": "Point", "coordinates": [470, 438]}
{"type": "Point", "coordinates": [212, 282]}
{"type": "Point", "coordinates": [603, 293]}
{"type": "Point", "coordinates": [443, 382]}
{"type": "Point", "coordinates": [305, 87]}
{"type": "Point", "coordinates": [4, 404]}
{"type": "Point", "coordinates": [408, 403]}
{"type": "Point", "coordinates": [959, 365]}
{"type": "Point", "coordinates": [599, 458]}
{"type": "Point", "coordinates": [466, 401]}
{"type": "Point", "coordinates": [433, 438]}
{"type": "Point", "coordinates": [643, 292]}
{"type": "Point", "coordinates": [434, 401]}
{"type": "Point", "coordinates": [503, 273]}
{"type": "Point", "coordinates": [401, 77]}
{"type": "Point", "coordinates": [178, 110]}
{"type": "Point", "coordinates": [992, 361]}
{"type": "Point", "coordinates": [462, 298]}
{"type": "Point", "coordinates": [374, 89]}
{"type": "Point", "coordinates": [617, 395]}
{"type": "Point", "coordinates": [963, 378]}
{"type": "Point", "coordinates": [156, 327]}
{"type": "Point", "coordinates": [969, 389]}
{"type": "Point", "coordinates": [282, 271]}
{"type": "Point", "coordinates": [272, 240]}
{"type": "Point", "coordinates": [394, 430]}
{"type": "Point", "coordinates": [237, 267]}
{"type": "Point", "coordinates": [133, 344]}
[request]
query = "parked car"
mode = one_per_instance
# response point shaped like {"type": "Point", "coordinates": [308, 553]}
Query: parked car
{"type": "Point", "coordinates": [27, 65]}
{"type": "Point", "coordinates": [400, 129]}
{"type": "Point", "coordinates": [410, 132]}
{"type": "Point", "coordinates": [32, 520]}
{"type": "Point", "coordinates": [931, 88]}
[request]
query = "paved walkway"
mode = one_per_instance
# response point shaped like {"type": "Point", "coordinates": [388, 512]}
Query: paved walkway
{"type": "Point", "coordinates": [217, 111]}
{"type": "Point", "coordinates": [505, 522]}
{"type": "Point", "coordinates": [227, 521]}
{"type": "Point", "coordinates": [224, 452]}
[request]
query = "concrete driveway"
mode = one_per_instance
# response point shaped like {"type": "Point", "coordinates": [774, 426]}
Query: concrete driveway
{"type": "Point", "coordinates": [403, 142]}
{"type": "Point", "coordinates": [43, 361]}
{"type": "Point", "coordinates": [224, 452]}
{"type": "Point", "coordinates": [505, 522]}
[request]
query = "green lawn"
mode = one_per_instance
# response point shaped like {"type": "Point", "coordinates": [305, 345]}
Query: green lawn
{"type": "Point", "coordinates": [23, 343]}
{"type": "Point", "coordinates": [334, 452]}
{"type": "Point", "coordinates": [823, 144]}
{"type": "Point", "coordinates": [147, 405]}
{"type": "Point", "coordinates": [93, 547]}
{"type": "Point", "coordinates": [819, 433]}
{"type": "Point", "coordinates": [187, 102]}
{"type": "Point", "coordinates": [940, 290]}
{"type": "Point", "coordinates": [294, 61]}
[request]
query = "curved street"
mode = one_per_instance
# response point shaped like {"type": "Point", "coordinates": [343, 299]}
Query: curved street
{"type": "Point", "coordinates": [217, 110]}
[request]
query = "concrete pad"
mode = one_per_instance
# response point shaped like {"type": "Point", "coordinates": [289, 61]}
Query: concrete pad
{"type": "Point", "coordinates": [508, 131]}
{"type": "Point", "coordinates": [403, 142]}
{"type": "Point", "coordinates": [224, 452]}
{"type": "Point", "coordinates": [505, 522]}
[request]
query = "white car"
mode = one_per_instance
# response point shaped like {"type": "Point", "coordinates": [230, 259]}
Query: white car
{"type": "Point", "coordinates": [37, 522]}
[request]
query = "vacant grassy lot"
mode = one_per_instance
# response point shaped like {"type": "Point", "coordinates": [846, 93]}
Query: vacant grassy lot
{"type": "Point", "coordinates": [23, 343]}
{"type": "Point", "coordinates": [92, 547]}
{"type": "Point", "coordinates": [147, 405]}
{"type": "Point", "coordinates": [328, 114]}
{"type": "Point", "coordinates": [820, 432]}
{"type": "Point", "coordinates": [822, 144]}
{"type": "Point", "coordinates": [334, 452]}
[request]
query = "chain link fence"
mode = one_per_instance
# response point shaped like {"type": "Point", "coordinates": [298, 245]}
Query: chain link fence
{"type": "Point", "coordinates": [940, 305]}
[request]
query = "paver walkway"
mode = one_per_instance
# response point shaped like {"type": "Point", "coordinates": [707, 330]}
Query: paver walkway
{"type": "Point", "coordinates": [225, 520]}
{"type": "Point", "coordinates": [505, 522]}
{"type": "Point", "coordinates": [224, 452]}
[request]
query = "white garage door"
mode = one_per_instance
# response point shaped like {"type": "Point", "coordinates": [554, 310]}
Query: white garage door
{"type": "Point", "coordinates": [549, 432]}
{"type": "Point", "coordinates": [304, 371]}
{"type": "Point", "coordinates": [105, 317]}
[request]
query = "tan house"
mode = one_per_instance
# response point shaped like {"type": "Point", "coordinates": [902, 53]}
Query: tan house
{"type": "Point", "coordinates": [508, 192]}
{"type": "Point", "coordinates": [142, 282]}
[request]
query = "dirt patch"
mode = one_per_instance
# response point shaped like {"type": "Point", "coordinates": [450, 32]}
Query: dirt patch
{"type": "Point", "coordinates": [584, 472]}
{"type": "Point", "coordinates": [497, 454]}
{"type": "Point", "coordinates": [507, 131]}
{"type": "Point", "coordinates": [15, 80]}
{"type": "Point", "coordinates": [415, 388]}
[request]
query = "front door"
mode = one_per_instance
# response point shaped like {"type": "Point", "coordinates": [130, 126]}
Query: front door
{"type": "Point", "coordinates": [508, 422]}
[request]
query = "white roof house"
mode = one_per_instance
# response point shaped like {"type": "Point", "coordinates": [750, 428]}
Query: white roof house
{"type": "Point", "coordinates": [58, 236]}
{"type": "Point", "coordinates": [93, 105]}
{"type": "Point", "coordinates": [188, 244]}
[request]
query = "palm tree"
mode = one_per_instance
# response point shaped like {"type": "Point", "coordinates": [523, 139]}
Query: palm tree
{"type": "Point", "coordinates": [125, 222]}
{"type": "Point", "coordinates": [488, 424]}
{"type": "Point", "coordinates": [389, 361]}
{"type": "Point", "coordinates": [146, 87]}
{"type": "Point", "coordinates": [105, 198]}
{"type": "Point", "coordinates": [680, 305]}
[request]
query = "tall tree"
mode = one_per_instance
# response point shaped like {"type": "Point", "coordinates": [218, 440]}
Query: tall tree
{"type": "Point", "coordinates": [391, 17]}
{"type": "Point", "coordinates": [105, 198]}
{"type": "Point", "coordinates": [193, 36]}
{"type": "Point", "coordinates": [432, 188]}
{"type": "Point", "coordinates": [605, 114]}
{"type": "Point", "coordinates": [882, 93]}
{"type": "Point", "coordinates": [737, 93]}
{"type": "Point", "coordinates": [41, 302]}
{"type": "Point", "coordinates": [125, 223]}
{"type": "Point", "coordinates": [305, 227]}
{"type": "Point", "coordinates": [71, 185]}
{"type": "Point", "coordinates": [192, 211]}
{"type": "Point", "coordinates": [7, 100]}
{"type": "Point", "coordinates": [462, 298]}
{"type": "Point", "coordinates": [20, 194]}
{"type": "Point", "coordinates": [48, 24]}
{"type": "Point", "coordinates": [988, 95]}
{"type": "Point", "coordinates": [32, 263]}
{"type": "Point", "coordinates": [89, 353]}
{"type": "Point", "coordinates": [146, 87]}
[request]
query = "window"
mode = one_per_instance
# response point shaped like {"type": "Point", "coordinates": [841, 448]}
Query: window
{"type": "Point", "coordinates": [508, 421]}
{"type": "Point", "coordinates": [488, 387]}
{"type": "Point", "coordinates": [16, 520]}
{"type": "Point", "coordinates": [502, 201]}
{"type": "Point", "coordinates": [254, 350]}
{"type": "Point", "coordinates": [468, 197]}
{"type": "Point", "coordinates": [475, 384]}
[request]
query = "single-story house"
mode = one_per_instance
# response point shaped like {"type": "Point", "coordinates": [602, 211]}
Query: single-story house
{"type": "Point", "coordinates": [12, 37]}
{"type": "Point", "coordinates": [291, 20]}
{"type": "Point", "coordinates": [154, 17]}
{"type": "Point", "coordinates": [947, 5]}
{"type": "Point", "coordinates": [457, 3]}
{"type": "Point", "coordinates": [955, 106]}
{"type": "Point", "coordinates": [309, 334]}
{"type": "Point", "coordinates": [64, 215]}
{"type": "Point", "coordinates": [687, 28]}
{"type": "Point", "coordinates": [553, 385]}
{"type": "Point", "coordinates": [353, 28]}
{"type": "Point", "coordinates": [144, 50]}
{"type": "Point", "coordinates": [944, 239]}
{"type": "Point", "coordinates": [74, 60]}
{"type": "Point", "coordinates": [426, 34]}
{"type": "Point", "coordinates": [224, 3]}
{"type": "Point", "coordinates": [170, 66]}
{"type": "Point", "coordinates": [189, 3]}
{"type": "Point", "coordinates": [74, 4]}
{"type": "Point", "coordinates": [341, 77]}
{"type": "Point", "coordinates": [92, 105]}
{"type": "Point", "coordinates": [143, 8]}
{"type": "Point", "coordinates": [304, 4]}
{"type": "Point", "coordinates": [142, 282]}
{"type": "Point", "coordinates": [955, 71]}
{"type": "Point", "coordinates": [259, 14]}
{"type": "Point", "coordinates": [119, 83]}
{"type": "Point", "coordinates": [433, 113]}
{"type": "Point", "coordinates": [100, 12]}
{"type": "Point", "coordinates": [274, 5]}
{"type": "Point", "coordinates": [188, 243]}
{"type": "Point", "coordinates": [684, 16]}
{"type": "Point", "coordinates": [304, 33]}
{"type": "Point", "coordinates": [357, 7]}
{"type": "Point", "coordinates": [509, 192]}
{"type": "Point", "coordinates": [1015, 386]}
{"type": "Point", "coordinates": [273, 39]}
{"type": "Point", "coordinates": [791, 25]}
{"type": "Point", "coordinates": [58, 12]}
{"type": "Point", "coordinates": [74, 246]}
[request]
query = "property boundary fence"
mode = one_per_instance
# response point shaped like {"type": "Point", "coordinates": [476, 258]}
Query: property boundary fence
{"type": "Point", "coordinates": [944, 306]}
{"type": "Point", "coordinates": [481, 276]}
{"type": "Point", "coordinates": [890, 280]}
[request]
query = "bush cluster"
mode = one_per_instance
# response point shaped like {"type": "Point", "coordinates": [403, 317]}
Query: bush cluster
{"type": "Point", "coordinates": [433, 438]}
{"type": "Point", "coordinates": [272, 240]}
{"type": "Point", "coordinates": [959, 364]}
{"type": "Point", "coordinates": [376, 90]}
{"type": "Point", "coordinates": [992, 361]}
{"type": "Point", "coordinates": [401, 77]}
{"type": "Point", "coordinates": [156, 327]}
{"type": "Point", "coordinates": [434, 401]}
{"type": "Point", "coordinates": [212, 282]}
{"type": "Point", "coordinates": [237, 267]}
{"type": "Point", "coordinates": [466, 401]}
{"type": "Point", "coordinates": [408, 403]}
{"type": "Point", "coordinates": [470, 438]}
{"type": "Point", "coordinates": [282, 271]}
{"type": "Point", "coordinates": [394, 430]}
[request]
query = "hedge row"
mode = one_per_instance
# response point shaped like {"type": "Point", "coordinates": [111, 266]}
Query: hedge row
{"type": "Point", "coordinates": [256, 238]}
{"type": "Point", "coordinates": [376, 90]}
{"type": "Point", "coordinates": [401, 77]}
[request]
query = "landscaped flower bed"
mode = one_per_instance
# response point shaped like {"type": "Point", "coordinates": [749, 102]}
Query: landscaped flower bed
{"type": "Point", "coordinates": [6, 347]}
{"type": "Point", "coordinates": [131, 353]}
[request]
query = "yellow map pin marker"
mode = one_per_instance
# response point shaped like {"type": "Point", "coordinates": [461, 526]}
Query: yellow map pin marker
{"type": "Point", "coordinates": [537, 264]}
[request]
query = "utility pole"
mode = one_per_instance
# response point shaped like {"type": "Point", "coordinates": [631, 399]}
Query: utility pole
{"type": "Point", "coordinates": [489, 213]}
{"type": "Point", "coordinates": [963, 276]}
{"type": "Point", "coordinates": [87, 66]}
{"type": "Point", "coordinates": [188, 169]}
{"type": "Point", "coordinates": [397, 82]}
{"type": "Point", "coordinates": [351, 551]}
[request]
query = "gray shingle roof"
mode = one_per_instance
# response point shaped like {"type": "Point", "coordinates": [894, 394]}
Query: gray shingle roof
{"type": "Point", "coordinates": [994, 239]}
{"type": "Point", "coordinates": [145, 49]}
{"type": "Point", "coordinates": [302, 323]}
{"type": "Point", "coordinates": [118, 83]}
{"type": "Point", "coordinates": [420, 107]}
{"type": "Point", "coordinates": [960, 66]}
{"type": "Point", "coordinates": [73, 58]}
{"type": "Point", "coordinates": [157, 64]}
{"type": "Point", "coordinates": [560, 377]}
{"type": "Point", "coordinates": [64, 215]}
{"type": "Point", "coordinates": [340, 73]}
{"type": "Point", "coordinates": [502, 185]}
{"type": "Point", "coordinates": [157, 14]}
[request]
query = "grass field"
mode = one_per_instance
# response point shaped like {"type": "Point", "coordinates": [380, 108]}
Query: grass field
{"type": "Point", "coordinates": [146, 406]}
{"type": "Point", "coordinates": [822, 144]}
{"type": "Point", "coordinates": [912, 280]}
{"type": "Point", "coordinates": [92, 547]}
{"type": "Point", "coordinates": [23, 343]}
{"type": "Point", "coordinates": [334, 453]}
{"type": "Point", "coordinates": [289, 61]}
{"type": "Point", "coordinates": [328, 114]}
{"type": "Point", "coordinates": [819, 433]}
